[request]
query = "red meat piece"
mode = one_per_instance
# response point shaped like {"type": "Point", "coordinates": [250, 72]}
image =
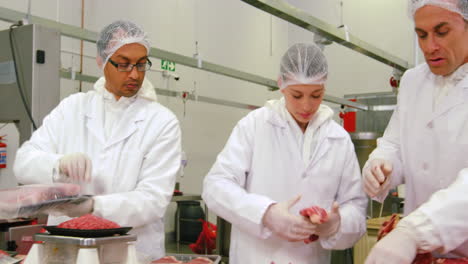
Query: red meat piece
{"type": "Point", "coordinates": [451, 261]}
{"type": "Point", "coordinates": [423, 259]}
{"type": "Point", "coordinates": [429, 259]}
{"type": "Point", "coordinates": [200, 260]}
{"type": "Point", "coordinates": [388, 226]}
{"type": "Point", "coordinates": [88, 222]}
{"type": "Point", "coordinates": [167, 260]}
{"type": "Point", "coordinates": [317, 211]}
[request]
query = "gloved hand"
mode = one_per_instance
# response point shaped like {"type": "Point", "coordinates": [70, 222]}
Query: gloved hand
{"type": "Point", "coordinates": [286, 225]}
{"type": "Point", "coordinates": [74, 210]}
{"type": "Point", "coordinates": [331, 226]}
{"type": "Point", "coordinates": [398, 247]}
{"type": "Point", "coordinates": [75, 167]}
{"type": "Point", "coordinates": [377, 177]}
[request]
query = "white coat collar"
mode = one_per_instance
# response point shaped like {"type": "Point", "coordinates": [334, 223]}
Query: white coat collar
{"type": "Point", "coordinates": [126, 126]}
{"type": "Point", "coordinates": [462, 76]}
{"type": "Point", "coordinates": [281, 117]}
{"type": "Point", "coordinates": [457, 94]}
{"type": "Point", "coordinates": [454, 79]}
{"type": "Point", "coordinates": [146, 91]}
{"type": "Point", "coordinates": [315, 141]}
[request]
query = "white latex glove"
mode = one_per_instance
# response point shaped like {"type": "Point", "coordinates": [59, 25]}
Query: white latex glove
{"type": "Point", "coordinates": [331, 226]}
{"type": "Point", "coordinates": [286, 225]}
{"type": "Point", "coordinates": [74, 210]}
{"type": "Point", "coordinates": [377, 177]}
{"type": "Point", "coordinates": [75, 167]}
{"type": "Point", "coordinates": [398, 247]}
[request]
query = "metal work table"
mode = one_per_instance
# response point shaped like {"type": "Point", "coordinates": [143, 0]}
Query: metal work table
{"type": "Point", "coordinates": [82, 241]}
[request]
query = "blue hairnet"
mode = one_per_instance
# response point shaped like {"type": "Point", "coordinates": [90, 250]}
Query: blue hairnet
{"type": "Point", "coordinates": [303, 63]}
{"type": "Point", "coordinates": [456, 6]}
{"type": "Point", "coordinates": [118, 34]}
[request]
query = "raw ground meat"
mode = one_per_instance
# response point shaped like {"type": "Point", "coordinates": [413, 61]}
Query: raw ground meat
{"type": "Point", "coordinates": [173, 260]}
{"type": "Point", "coordinates": [200, 260]}
{"type": "Point", "coordinates": [167, 260]}
{"type": "Point", "coordinates": [317, 211]}
{"type": "Point", "coordinates": [88, 222]}
{"type": "Point", "coordinates": [426, 258]}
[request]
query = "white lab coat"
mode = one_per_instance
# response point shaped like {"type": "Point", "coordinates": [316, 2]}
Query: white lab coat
{"type": "Point", "coordinates": [429, 149]}
{"type": "Point", "coordinates": [263, 163]}
{"type": "Point", "coordinates": [134, 170]}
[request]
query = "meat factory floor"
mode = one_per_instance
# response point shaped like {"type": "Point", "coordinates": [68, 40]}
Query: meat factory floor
{"type": "Point", "coordinates": [171, 247]}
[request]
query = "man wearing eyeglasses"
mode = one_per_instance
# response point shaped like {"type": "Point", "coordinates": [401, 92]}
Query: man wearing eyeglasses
{"type": "Point", "coordinates": [116, 142]}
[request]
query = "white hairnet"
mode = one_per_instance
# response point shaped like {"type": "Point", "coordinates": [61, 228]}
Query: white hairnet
{"type": "Point", "coordinates": [456, 6]}
{"type": "Point", "coordinates": [303, 63]}
{"type": "Point", "coordinates": [118, 34]}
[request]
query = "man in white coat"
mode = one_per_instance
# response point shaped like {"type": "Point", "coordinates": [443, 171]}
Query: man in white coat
{"type": "Point", "coordinates": [116, 141]}
{"type": "Point", "coordinates": [284, 157]}
{"type": "Point", "coordinates": [425, 144]}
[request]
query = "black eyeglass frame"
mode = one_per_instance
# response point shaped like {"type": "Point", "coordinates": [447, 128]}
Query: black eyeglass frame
{"type": "Point", "coordinates": [128, 67]}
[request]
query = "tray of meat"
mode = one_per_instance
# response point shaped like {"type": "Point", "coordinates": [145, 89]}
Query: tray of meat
{"type": "Point", "coordinates": [88, 226]}
{"type": "Point", "coordinates": [188, 259]}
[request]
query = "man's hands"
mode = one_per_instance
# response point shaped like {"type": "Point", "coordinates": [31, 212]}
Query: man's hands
{"type": "Point", "coordinates": [376, 176]}
{"type": "Point", "coordinates": [398, 247]}
{"type": "Point", "coordinates": [75, 167]}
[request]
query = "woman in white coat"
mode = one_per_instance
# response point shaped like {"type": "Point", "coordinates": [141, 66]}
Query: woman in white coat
{"type": "Point", "coordinates": [284, 157]}
{"type": "Point", "coordinates": [116, 141]}
{"type": "Point", "coordinates": [425, 144]}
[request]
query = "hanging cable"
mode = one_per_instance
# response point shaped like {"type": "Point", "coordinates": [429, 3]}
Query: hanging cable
{"type": "Point", "coordinates": [18, 82]}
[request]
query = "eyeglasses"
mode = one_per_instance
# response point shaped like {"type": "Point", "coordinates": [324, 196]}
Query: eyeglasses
{"type": "Point", "coordinates": [128, 67]}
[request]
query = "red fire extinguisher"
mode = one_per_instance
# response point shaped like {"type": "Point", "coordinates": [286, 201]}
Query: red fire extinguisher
{"type": "Point", "coordinates": [3, 153]}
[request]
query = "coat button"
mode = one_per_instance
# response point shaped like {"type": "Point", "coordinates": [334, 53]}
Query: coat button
{"type": "Point", "coordinates": [430, 125]}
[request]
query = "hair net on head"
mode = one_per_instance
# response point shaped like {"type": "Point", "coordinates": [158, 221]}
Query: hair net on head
{"type": "Point", "coordinates": [303, 63]}
{"type": "Point", "coordinates": [118, 34]}
{"type": "Point", "coordinates": [457, 6]}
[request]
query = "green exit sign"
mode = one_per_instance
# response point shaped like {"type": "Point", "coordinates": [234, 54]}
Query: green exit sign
{"type": "Point", "coordinates": [167, 65]}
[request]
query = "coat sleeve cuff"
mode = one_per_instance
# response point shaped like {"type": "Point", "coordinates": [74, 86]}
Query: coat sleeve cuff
{"type": "Point", "coordinates": [423, 231]}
